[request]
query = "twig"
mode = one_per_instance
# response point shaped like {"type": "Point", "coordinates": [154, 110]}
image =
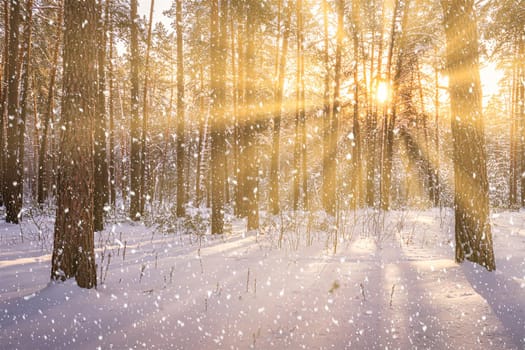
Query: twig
{"type": "Point", "coordinates": [248, 280]}
{"type": "Point", "coordinates": [392, 294]}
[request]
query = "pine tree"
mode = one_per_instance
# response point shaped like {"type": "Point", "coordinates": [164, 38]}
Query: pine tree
{"type": "Point", "coordinates": [73, 248]}
{"type": "Point", "coordinates": [471, 200]}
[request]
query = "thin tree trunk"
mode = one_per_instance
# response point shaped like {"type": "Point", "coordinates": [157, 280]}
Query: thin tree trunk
{"type": "Point", "coordinates": [327, 194]}
{"type": "Point", "coordinates": [100, 159]}
{"type": "Point", "coordinates": [181, 193]}
{"type": "Point", "coordinates": [43, 189]}
{"type": "Point", "coordinates": [135, 156]}
{"type": "Point", "coordinates": [144, 170]}
{"type": "Point", "coordinates": [218, 144]}
{"type": "Point", "coordinates": [276, 132]}
{"type": "Point", "coordinates": [334, 120]}
{"type": "Point", "coordinates": [112, 179]}
{"type": "Point", "coordinates": [357, 180]}
{"type": "Point", "coordinates": [3, 102]}
{"type": "Point", "coordinates": [521, 114]}
{"type": "Point", "coordinates": [249, 155]}
{"type": "Point", "coordinates": [13, 189]}
{"type": "Point", "coordinates": [389, 118]}
{"type": "Point", "coordinates": [299, 116]}
{"type": "Point", "coordinates": [200, 144]}
{"type": "Point", "coordinates": [437, 197]}
{"type": "Point", "coordinates": [26, 71]}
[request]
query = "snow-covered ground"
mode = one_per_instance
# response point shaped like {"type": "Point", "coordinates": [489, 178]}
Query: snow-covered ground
{"type": "Point", "coordinates": [390, 283]}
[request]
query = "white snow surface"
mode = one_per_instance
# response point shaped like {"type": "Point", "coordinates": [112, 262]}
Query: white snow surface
{"type": "Point", "coordinates": [392, 283]}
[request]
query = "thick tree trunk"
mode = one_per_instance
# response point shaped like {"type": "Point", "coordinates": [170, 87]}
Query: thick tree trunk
{"type": "Point", "coordinates": [471, 201]}
{"type": "Point", "coordinates": [73, 249]}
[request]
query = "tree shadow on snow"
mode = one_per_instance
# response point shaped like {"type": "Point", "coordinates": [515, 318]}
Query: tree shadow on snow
{"type": "Point", "coordinates": [504, 296]}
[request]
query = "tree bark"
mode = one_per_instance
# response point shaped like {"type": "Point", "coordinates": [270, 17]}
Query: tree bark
{"type": "Point", "coordinates": [330, 186]}
{"type": "Point", "coordinates": [144, 169]}
{"type": "Point", "coordinates": [26, 71]}
{"type": "Point", "coordinates": [327, 194]}
{"type": "Point", "coordinates": [3, 101]}
{"type": "Point", "coordinates": [43, 189]}
{"type": "Point", "coordinates": [357, 179]}
{"type": "Point", "coordinates": [218, 121]}
{"type": "Point", "coordinates": [73, 248]}
{"type": "Point", "coordinates": [112, 178]}
{"type": "Point", "coordinates": [13, 189]}
{"type": "Point", "coordinates": [135, 153]}
{"type": "Point", "coordinates": [276, 132]}
{"type": "Point", "coordinates": [249, 127]}
{"type": "Point", "coordinates": [101, 163]}
{"type": "Point", "coordinates": [471, 201]}
{"type": "Point", "coordinates": [181, 155]}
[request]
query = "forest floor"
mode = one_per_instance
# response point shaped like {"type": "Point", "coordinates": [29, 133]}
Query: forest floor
{"type": "Point", "coordinates": [390, 282]}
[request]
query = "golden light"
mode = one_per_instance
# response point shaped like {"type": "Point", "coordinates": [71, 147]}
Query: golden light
{"type": "Point", "coordinates": [382, 92]}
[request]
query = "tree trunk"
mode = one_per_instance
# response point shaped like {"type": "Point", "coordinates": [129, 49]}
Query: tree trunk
{"type": "Point", "coordinates": [521, 114]}
{"type": "Point", "coordinates": [389, 119]}
{"type": "Point", "coordinates": [327, 194]}
{"type": "Point", "coordinates": [101, 164]}
{"type": "Point", "coordinates": [330, 186]}
{"type": "Point", "coordinates": [13, 189]}
{"type": "Point", "coordinates": [3, 101]}
{"type": "Point", "coordinates": [471, 200]}
{"type": "Point", "coordinates": [249, 150]}
{"type": "Point", "coordinates": [73, 248]}
{"type": "Point", "coordinates": [357, 179]}
{"type": "Point", "coordinates": [200, 143]}
{"type": "Point", "coordinates": [144, 168]}
{"type": "Point", "coordinates": [181, 193]}
{"type": "Point", "coordinates": [112, 179]}
{"type": "Point", "coordinates": [26, 71]}
{"type": "Point", "coordinates": [135, 153]}
{"type": "Point", "coordinates": [299, 112]}
{"type": "Point", "coordinates": [48, 114]}
{"type": "Point", "coordinates": [218, 145]}
{"type": "Point", "coordinates": [276, 132]}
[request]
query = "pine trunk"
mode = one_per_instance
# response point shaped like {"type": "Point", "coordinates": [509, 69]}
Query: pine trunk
{"type": "Point", "coordinates": [471, 200]}
{"type": "Point", "coordinates": [13, 189]}
{"type": "Point", "coordinates": [135, 153]}
{"type": "Point", "coordinates": [181, 193]}
{"type": "Point", "coordinates": [101, 164]}
{"type": "Point", "coordinates": [73, 248]}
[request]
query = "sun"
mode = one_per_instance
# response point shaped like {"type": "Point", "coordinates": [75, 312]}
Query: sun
{"type": "Point", "coordinates": [382, 93]}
